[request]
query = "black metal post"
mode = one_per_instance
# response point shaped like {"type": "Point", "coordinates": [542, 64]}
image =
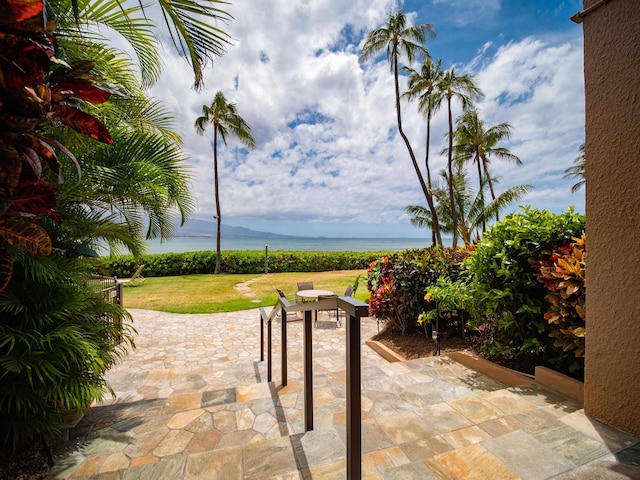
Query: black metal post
{"type": "Point", "coordinates": [354, 400]}
{"type": "Point", "coordinates": [308, 373]}
{"type": "Point", "coordinates": [269, 341]}
{"type": "Point", "coordinates": [261, 336]}
{"type": "Point", "coordinates": [283, 360]}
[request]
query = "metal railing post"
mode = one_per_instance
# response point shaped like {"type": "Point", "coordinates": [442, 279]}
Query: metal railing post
{"type": "Point", "coordinates": [269, 341]}
{"type": "Point", "coordinates": [262, 313]}
{"type": "Point", "coordinates": [354, 400]}
{"type": "Point", "coordinates": [308, 373]}
{"type": "Point", "coordinates": [283, 319]}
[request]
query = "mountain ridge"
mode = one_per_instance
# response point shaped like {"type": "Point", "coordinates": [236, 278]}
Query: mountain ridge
{"type": "Point", "coordinates": [204, 228]}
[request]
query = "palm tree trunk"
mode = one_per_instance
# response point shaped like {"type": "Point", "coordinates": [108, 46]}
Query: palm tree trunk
{"type": "Point", "coordinates": [481, 192]}
{"type": "Point", "coordinates": [425, 190]}
{"type": "Point", "coordinates": [217, 197]}
{"type": "Point", "coordinates": [436, 238]}
{"type": "Point", "coordinates": [452, 202]}
{"type": "Point", "coordinates": [493, 193]}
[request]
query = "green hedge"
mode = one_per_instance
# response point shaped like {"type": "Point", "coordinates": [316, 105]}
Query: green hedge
{"type": "Point", "coordinates": [233, 261]}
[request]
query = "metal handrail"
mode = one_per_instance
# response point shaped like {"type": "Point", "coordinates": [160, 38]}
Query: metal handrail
{"type": "Point", "coordinates": [354, 310]}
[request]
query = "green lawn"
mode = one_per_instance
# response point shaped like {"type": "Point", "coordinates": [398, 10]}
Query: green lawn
{"type": "Point", "coordinates": [216, 293]}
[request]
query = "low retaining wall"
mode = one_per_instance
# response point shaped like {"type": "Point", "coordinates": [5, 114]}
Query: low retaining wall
{"type": "Point", "coordinates": [558, 382]}
{"type": "Point", "coordinates": [501, 374]}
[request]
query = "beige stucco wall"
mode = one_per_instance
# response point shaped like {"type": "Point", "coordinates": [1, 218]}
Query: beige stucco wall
{"type": "Point", "coordinates": [612, 92]}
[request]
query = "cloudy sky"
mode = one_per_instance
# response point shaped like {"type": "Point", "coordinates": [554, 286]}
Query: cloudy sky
{"type": "Point", "coordinates": [329, 160]}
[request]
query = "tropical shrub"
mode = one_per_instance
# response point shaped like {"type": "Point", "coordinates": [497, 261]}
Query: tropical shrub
{"type": "Point", "coordinates": [36, 91]}
{"type": "Point", "coordinates": [507, 293]}
{"type": "Point", "coordinates": [449, 305]}
{"type": "Point", "coordinates": [397, 283]}
{"type": "Point", "coordinates": [563, 275]}
{"type": "Point", "coordinates": [57, 339]}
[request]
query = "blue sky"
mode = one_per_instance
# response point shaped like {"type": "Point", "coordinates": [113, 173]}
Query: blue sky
{"type": "Point", "coordinates": [329, 161]}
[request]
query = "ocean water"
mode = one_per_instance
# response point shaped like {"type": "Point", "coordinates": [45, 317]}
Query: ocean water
{"type": "Point", "coordinates": [194, 244]}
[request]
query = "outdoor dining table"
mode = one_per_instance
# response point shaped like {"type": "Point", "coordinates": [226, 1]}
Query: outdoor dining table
{"type": "Point", "coordinates": [313, 294]}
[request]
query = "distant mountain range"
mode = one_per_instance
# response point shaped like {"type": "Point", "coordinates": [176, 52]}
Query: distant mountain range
{"type": "Point", "coordinates": [203, 228]}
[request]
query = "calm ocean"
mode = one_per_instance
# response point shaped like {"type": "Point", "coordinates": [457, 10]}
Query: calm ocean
{"type": "Point", "coordinates": [194, 244]}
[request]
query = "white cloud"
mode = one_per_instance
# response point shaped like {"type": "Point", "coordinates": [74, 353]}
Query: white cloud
{"type": "Point", "coordinates": [327, 142]}
{"type": "Point", "coordinates": [465, 12]}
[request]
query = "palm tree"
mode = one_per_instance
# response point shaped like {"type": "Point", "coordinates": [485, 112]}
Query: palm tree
{"type": "Point", "coordinates": [470, 209]}
{"type": "Point", "coordinates": [397, 39]}
{"type": "Point", "coordinates": [475, 144]}
{"type": "Point", "coordinates": [137, 183]}
{"type": "Point", "coordinates": [193, 26]}
{"type": "Point", "coordinates": [423, 84]}
{"type": "Point", "coordinates": [578, 170]}
{"type": "Point", "coordinates": [225, 120]}
{"type": "Point", "coordinates": [465, 90]}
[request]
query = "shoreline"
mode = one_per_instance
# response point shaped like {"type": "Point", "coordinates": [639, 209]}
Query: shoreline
{"type": "Point", "coordinates": [320, 244]}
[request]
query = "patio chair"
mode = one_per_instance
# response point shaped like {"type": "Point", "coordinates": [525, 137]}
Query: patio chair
{"type": "Point", "coordinates": [296, 316]}
{"type": "Point", "coordinates": [303, 286]}
{"type": "Point", "coordinates": [329, 310]}
{"type": "Point", "coordinates": [136, 278]}
{"type": "Point", "coordinates": [347, 293]}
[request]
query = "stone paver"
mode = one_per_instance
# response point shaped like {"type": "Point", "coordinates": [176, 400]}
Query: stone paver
{"type": "Point", "coordinates": [192, 401]}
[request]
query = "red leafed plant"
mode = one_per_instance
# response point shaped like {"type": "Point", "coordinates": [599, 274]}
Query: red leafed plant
{"type": "Point", "coordinates": [36, 88]}
{"type": "Point", "coordinates": [563, 274]}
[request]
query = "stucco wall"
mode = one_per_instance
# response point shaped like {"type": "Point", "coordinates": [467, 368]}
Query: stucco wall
{"type": "Point", "coordinates": [612, 88]}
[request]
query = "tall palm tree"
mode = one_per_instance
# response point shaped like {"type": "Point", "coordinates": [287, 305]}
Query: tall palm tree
{"type": "Point", "coordinates": [463, 88]}
{"type": "Point", "coordinates": [578, 170]}
{"type": "Point", "coordinates": [399, 39]}
{"type": "Point", "coordinates": [475, 144]}
{"type": "Point", "coordinates": [470, 208]}
{"type": "Point", "coordinates": [423, 84]}
{"type": "Point", "coordinates": [225, 120]}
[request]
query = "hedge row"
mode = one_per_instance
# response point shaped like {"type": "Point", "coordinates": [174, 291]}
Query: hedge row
{"type": "Point", "coordinates": [234, 261]}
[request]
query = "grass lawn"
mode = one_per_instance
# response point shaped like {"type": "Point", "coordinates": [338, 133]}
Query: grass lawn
{"type": "Point", "coordinates": [216, 293]}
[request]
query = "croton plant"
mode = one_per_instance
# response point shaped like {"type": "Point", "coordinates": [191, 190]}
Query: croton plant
{"type": "Point", "coordinates": [563, 274]}
{"type": "Point", "coordinates": [36, 88]}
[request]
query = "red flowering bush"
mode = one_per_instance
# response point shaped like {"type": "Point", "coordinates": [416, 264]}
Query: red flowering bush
{"type": "Point", "coordinates": [381, 282]}
{"type": "Point", "coordinates": [397, 283]}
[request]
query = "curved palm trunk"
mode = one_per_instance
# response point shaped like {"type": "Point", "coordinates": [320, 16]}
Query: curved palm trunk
{"type": "Point", "coordinates": [425, 190]}
{"type": "Point", "coordinates": [493, 193]}
{"type": "Point", "coordinates": [436, 238]}
{"type": "Point", "coordinates": [452, 202]}
{"type": "Point", "coordinates": [217, 197]}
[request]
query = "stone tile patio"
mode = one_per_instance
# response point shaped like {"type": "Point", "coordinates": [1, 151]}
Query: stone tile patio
{"type": "Point", "coordinates": [192, 402]}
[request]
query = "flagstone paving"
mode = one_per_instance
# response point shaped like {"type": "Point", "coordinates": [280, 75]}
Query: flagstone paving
{"type": "Point", "coordinates": [192, 402]}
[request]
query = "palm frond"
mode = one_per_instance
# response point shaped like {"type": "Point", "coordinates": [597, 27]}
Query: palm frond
{"type": "Point", "coordinates": [192, 25]}
{"type": "Point", "coordinates": [578, 170]}
{"type": "Point", "coordinates": [127, 20]}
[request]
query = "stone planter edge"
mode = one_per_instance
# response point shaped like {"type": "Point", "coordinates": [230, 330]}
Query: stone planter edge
{"type": "Point", "coordinates": [501, 374]}
{"type": "Point", "coordinates": [385, 352]}
{"type": "Point", "coordinates": [560, 383]}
